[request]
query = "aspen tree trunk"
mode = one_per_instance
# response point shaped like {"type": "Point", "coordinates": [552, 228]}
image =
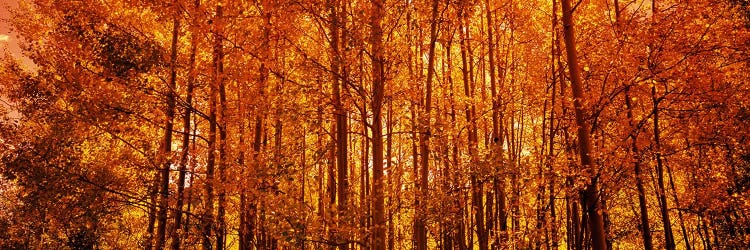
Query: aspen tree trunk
{"type": "Point", "coordinates": [571, 225]}
{"type": "Point", "coordinates": [417, 125]}
{"type": "Point", "coordinates": [688, 245]}
{"type": "Point", "coordinates": [446, 227]}
{"type": "Point", "coordinates": [321, 172]}
{"type": "Point", "coordinates": [470, 111]}
{"type": "Point", "coordinates": [340, 117]}
{"type": "Point", "coordinates": [242, 213]}
{"type": "Point", "coordinates": [457, 237]}
{"type": "Point", "coordinates": [302, 244]}
{"type": "Point", "coordinates": [342, 122]}
{"type": "Point", "coordinates": [497, 137]}
{"type": "Point", "coordinates": [378, 76]}
{"type": "Point", "coordinates": [277, 146]}
{"type": "Point", "coordinates": [553, 235]}
{"type": "Point", "coordinates": [251, 210]}
{"type": "Point", "coordinates": [476, 186]}
{"type": "Point", "coordinates": [541, 207]}
{"type": "Point", "coordinates": [208, 219]}
{"type": "Point", "coordinates": [645, 227]}
{"type": "Point", "coordinates": [364, 190]}
{"type": "Point", "coordinates": [193, 163]}
{"type": "Point", "coordinates": [152, 200]}
{"type": "Point", "coordinates": [591, 191]}
{"type": "Point", "coordinates": [221, 230]}
{"type": "Point", "coordinates": [573, 221]}
{"type": "Point", "coordinates": [365, 174]}
{"type": "Point", "coordinates": [661, 191]}
{"type": "Point", "coordinates": [419, 223]}
{"type": "Point", "coordinates": [391, 175]}
{"type": "Point", "coordinates": [169, 127]}
{"type": "Point", "coordinates": [243, 230]}
{"type": "Point", "coordinates": [177, 232]}
{"type": "Point", "coordinates": [332, 187]}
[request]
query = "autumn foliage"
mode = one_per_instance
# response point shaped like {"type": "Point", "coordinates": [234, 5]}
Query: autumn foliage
{"type": "Point", "coordinates": [383, 124]}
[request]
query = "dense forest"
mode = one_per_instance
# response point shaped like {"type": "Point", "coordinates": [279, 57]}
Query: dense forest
{"type": "Point", "coordinates": [381, 124]}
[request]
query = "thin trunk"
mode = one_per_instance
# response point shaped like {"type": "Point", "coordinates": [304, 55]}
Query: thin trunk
{"type": "Point", "coordinates": [378, 89]}
{"type": "Point", "coordinates": [221, 229]}
{"type": "Point", "coordinates": [661, 191]}
{"type": "Point", "coordinates": [644, 225]}
{"type": "Point", "coordinates": [167, 143]}
{"type": "Point", "coordinates": [420, 218]}
{"type": "Point", "coordinates": [152, 202]}
{"type": "Point", "coordinates": [688, 245]}
{"type": "Point", "coordinates": [321, 172]}
{"type": "Point", "coordinates": [208, 219]}
{"type": "Point", "coordinates": [457, 232]}
{"type": "Point", "coordinates": [591, 191]}
{"type": "Point", "coordinates": [251, 210]}
{"type": "Point", "coordinates": [340, 117]}
{"type": "Point", "coordinates": [193, 163]}
{"type": "Point", "coordinates": [303, 172]}
{"type": "Point", "coordinates": [470, 111]}
{"type": "Point", "coordinates": [391, 175]}
{"type": "Point", "coordinates": [242, 231]}
{"type": "Point", "coordinates": [554, 238]}
{"type": "Point", "coordinates": [184, 157]}
{"type": "Point", "coordinates": [364, 168]}
{"type": "Point", "coordinates": [497, 139]}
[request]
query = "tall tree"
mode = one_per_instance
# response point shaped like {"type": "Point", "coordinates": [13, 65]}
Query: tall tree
{"type": "Point", "coordinates": [633, 134]}
{"type": "Point", "coordinates": [377, 11]}
{"type": "Point", "coordinates": [424, 142]}
{"type": "Point", "coordinates": [169, 127]}
{"type": "Point", "coordinates": [590, 194]}
{"type": "Point", "coordinates": [177, 230]}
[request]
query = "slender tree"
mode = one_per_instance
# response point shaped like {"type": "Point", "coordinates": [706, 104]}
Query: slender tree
{"type": "Point", "coordinates": [377, 11]}
{"type": "Point", "coordinates": [590, 194]}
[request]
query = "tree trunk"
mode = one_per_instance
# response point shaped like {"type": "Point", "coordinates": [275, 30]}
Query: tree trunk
{"type": "Point", "coordinates": [221, 229]}
{"type": "Point", "coordinates": [378, 88]}
{"type": "Point", "coordinates": [554, 237]}
{"type": "Point", "coordinates": [660, 190]}
{"type": "Point", "coordinates": [470, 111]}
{"type": "Point", "coordinates": [645, 227]}
{"type": "Point", "coordinates": [152, 202]}
{"type": "Point", "coordinates": [208, 223]}
{"type": "Point", "coordinates": [340, 118]}
{"type": "Point", "coordinates": [591, 191]}
{"type": "Point", "coordinates": [688, 245]}
{"type": "Point", "coordinates": [177, 231]}
{"type": "Point", "coordinates": [420, 217]}
{"type": "Point", "coordinates": [391, 175]}
{"type": "Point", "coordinates": [166, 151]}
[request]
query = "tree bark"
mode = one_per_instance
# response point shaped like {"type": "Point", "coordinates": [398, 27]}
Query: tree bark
{"type": "Point", "coordinates": [645, 227]}
{"type": "Point", "coordinates": [177, 231]}
{"type": "Point", "coordinates": [221, 230]}
{"type": "Point", "coordinates": [590, 193]}
{"type": "Point", "coordinates": [340, 119]}
{"type": "Point", "coordinates": [166, 151]}
{"type": "Point", "coordinates": [553, 237]}
{"type": "Point", "coordinates": [378, 88]}
{"type": "Point", "coordinates": [470, 111]}
{"type": "Point", "coordinates": [660, 189]}
{"type": "Point", "coordinates": [420, 203]}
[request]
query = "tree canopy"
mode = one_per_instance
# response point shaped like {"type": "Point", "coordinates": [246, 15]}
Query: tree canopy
{"type": "Point", "coordinates": [383, 124]}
